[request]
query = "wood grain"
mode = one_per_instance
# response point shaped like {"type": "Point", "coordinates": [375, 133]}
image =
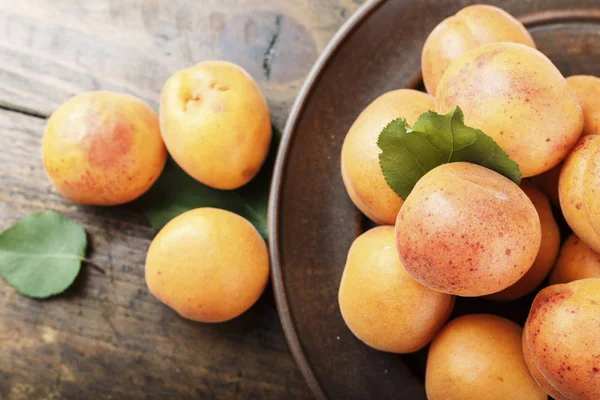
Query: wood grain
{"type": "Point", "coordinates": [107, 337]}
{"type": "Point", "coordinates": [53, 49]}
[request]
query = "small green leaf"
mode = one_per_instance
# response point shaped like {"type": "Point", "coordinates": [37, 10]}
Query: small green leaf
{"type": "Point", "coordinates": [409, 153]}
{"type": "Point", "coordinates": [175, 192]}
{"type": "Point", "coordinates": [41, 254]}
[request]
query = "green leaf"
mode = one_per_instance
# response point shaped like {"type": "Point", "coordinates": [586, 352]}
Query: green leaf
{"type": "Point", "coordinates": [409, 153]}
{"type": "Point", "coordinates": [175, 192]}
{"type": "Point", "coordinates": [41, 254]}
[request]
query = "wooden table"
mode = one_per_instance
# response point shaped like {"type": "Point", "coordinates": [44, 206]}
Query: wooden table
{"type": "Point", "coordinates": [107, 337]}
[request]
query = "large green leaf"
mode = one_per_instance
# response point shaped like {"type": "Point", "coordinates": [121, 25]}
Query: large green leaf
{"type": "Point", "coordinates": [41, 254]}
{"type": "Point", "coordinates": [409, 153]}
{"type": "Point", "coordinates": [176, 192]}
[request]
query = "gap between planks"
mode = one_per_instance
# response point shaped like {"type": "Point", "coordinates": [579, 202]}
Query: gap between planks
{"type": "Point", "coordinates": [22, 110]}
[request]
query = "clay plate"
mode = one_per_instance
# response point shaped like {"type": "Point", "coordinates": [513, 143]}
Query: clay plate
{"type": "Point", "coordinates": [312, 220]}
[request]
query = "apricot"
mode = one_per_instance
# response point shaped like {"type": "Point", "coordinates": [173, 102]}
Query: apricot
{"type": "Point", "coordinates": [381, 304]}
{"type": "Point", "coordinates": [562, 336]}
{"type": "Point", "coordinates": [361, 172]}
{"type": "Point", "coordinates": [575, 261]}
{"type": "Point", "coordinates": [470, 28]}
{"type": "Point", "coordinates": [514, 94]}
{"type": "Point", "coordinates": [103, 148]}
{"type": "Point", "coordinates": [467, 230]}
{"type": "Point", "coordinates": [578, 190]}
{"type": "Point", "coordinates": [549, 247]}
{"type": "Point", "coordinates": [586, 89]}
{"type": "Point", "coordinates": [548, 183]}
{"type": "Point", "coordinates": [207, 264]}
{"type": "Point", "coordinates": [216, 123]}
{"type": "Point", "coordinates": [479, 356]}
{"type": "Point", "coordinates": [536, 374]}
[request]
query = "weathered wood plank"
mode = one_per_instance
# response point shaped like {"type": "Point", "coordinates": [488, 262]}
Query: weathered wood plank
{"type": "Point", "coordinates": [106, 337]}
{"type": "Point", "coordinates": [54, 49]}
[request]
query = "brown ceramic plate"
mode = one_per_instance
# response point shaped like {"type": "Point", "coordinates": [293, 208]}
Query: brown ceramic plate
{"type": "Point", "coordinates": [312, 220]}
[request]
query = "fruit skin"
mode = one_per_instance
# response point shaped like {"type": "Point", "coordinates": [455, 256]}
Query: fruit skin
{"type": "Point", "coordinates": [536, 373]}
{"type": "Point", "coordinates": [517, 96]}
{"type": "Point", "coordinates": [549, 247]}
{"type": "Point", "coordinates": [578, 189]}
{"type": "Point", "coordinates": [479, 356]}
{"type": "Point", "coordinates": [467, 230]}
{"type": "Point", "coordinates": [381, 304]}
{"type": "Point", "coordinates": [103, 148]}
{"type": "Point", "coordinates": [470, 28]}
{"type": "Point", "coordinates": [548, 183]}
{"type": "Point", "coordinates": [575, 261]}
{"type": "Point", "coordinates": [586, 89]}
{"type": "Point", "coordinates": [209, 265]}
{"type": "Point", "coordinates": [216, 123]}
{"type": "Point", "coordinates": [561, 334]}
{"type": "Point", "coordinates": [361, 172]}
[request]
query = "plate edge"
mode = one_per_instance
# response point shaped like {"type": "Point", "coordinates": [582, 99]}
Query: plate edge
{"type": "Point", "coordinates": [275, 191]}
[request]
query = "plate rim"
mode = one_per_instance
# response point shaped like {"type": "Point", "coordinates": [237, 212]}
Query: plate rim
{"type": "Point", "coordinates": [530, 20]}
{"type": "Point", "coordinates": [355, 20]}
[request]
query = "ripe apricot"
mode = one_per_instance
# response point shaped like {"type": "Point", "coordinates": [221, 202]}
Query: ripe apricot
{"type": "Point", "coordinates": [535, 372]}
{"type": "Point", "coordinates": [561, 335]}
{"type": "Point", "coordinates": [578, 187]}
{"type": "Point", "coordinates": [103, 148]}
{"type": "Point", "coordinates": [479, 356]}
{"type": "Point", "coordinates": [587, 90]}
{"type": "Point", "coordinates": [215, 123]}
{"type": "Point", "coordinates": [470, 28]}
{"type": "Point", "coordinates": [515, 94]}
{"type": "Point", "coordinates": [467, 230]}
{"type": "Point", "coordinates": [576, 261]}
{"type": "Point", "coordinates": [548, 183]}
{"type": "Point", "coordinates": [381, 304]}
{"type": "Point", "coordinates": [361, 172]}
{"type": "Point", "coordinates": [549, 247]}
{"type": "Point", "coordinates": [209, 265]}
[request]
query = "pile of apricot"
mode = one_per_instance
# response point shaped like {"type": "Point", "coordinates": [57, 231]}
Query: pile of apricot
{"type": "Point", "coordinates": [468, 231]}
{"type": "Point", "coordinates": [103, 148]}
